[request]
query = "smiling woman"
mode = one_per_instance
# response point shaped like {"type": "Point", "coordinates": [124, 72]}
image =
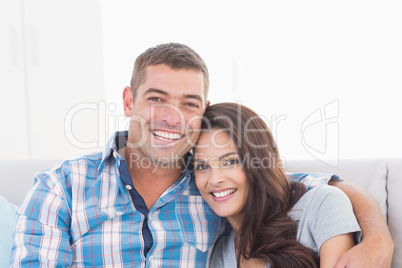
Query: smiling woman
{"type": "Point", "coordinates": [220, 177]}
{"type": "Point", "coordinates": [274, 221]}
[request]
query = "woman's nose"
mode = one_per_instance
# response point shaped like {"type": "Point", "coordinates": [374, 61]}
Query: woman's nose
{"type": "Point", "coordinates": [217, 177]}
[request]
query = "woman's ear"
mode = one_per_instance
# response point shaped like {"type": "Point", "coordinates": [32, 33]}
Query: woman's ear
{"type": "Point", "coordinates": [127, 101]}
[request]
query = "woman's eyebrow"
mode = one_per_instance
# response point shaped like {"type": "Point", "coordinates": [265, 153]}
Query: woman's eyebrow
{"type": "Point", "coordinates": [227, 154]}
{"type": "Point", "coordinates": [198, 160]}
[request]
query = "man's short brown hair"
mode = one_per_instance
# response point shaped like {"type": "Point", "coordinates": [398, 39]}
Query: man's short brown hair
{"type": "Point", "coordinates": [176, 56]}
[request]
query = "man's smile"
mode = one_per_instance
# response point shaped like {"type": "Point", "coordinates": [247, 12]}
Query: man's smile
{"type": "Point", "coordinates": [167, 136]}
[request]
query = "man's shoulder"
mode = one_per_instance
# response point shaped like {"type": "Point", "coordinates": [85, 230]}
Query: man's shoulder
{"type": "Point", "coordinates": [66, 166]}
{"type": "Point", "coordinates": [191, 187]}
{"type": "Point", "coordinates": [89, 159]}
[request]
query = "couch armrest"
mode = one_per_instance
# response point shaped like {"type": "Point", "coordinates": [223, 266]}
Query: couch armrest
{"type": "Point", "coordinates": [7, 227]}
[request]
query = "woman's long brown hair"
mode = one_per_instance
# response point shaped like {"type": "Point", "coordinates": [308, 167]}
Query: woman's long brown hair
{"type": "Point", "coordinates": [268, 234]}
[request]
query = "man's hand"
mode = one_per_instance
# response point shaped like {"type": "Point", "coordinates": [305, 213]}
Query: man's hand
{"type": "Point", "coordinates": [376, 248]}
{"type": "Point", "coordinates": [370, 253]}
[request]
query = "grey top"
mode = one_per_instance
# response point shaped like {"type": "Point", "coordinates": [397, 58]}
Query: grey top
{"type": "Point", "coordinates": [323, 212]}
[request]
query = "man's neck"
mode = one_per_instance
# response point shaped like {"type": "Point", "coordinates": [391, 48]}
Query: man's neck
{"type": "Point", "coordinates": [151, 180]}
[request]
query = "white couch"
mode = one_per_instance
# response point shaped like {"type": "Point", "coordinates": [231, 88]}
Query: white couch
{"type": "Point", "coordinates": [382, 178]}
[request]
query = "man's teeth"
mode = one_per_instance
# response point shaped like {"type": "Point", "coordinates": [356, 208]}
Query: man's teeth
{"type": "Point", "coordinates": [167, 135]}
{"type": "Point", "coordinates": [224, 193]}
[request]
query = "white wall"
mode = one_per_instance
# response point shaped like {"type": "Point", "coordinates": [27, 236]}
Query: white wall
{"type": "Point", "coordinates": [300, 64]}
{"type": "Point", "coordinates": [51, 64]}
{"type": "Point", "coordinates": [325, 74]}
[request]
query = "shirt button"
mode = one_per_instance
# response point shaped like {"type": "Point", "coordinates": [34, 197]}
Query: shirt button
{"type": "Point", "coordinates": [128, 187]}
{"type": "Point", "coordinates": [151, 258]}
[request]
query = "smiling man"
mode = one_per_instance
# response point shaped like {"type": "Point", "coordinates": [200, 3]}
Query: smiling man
{"type": "Point", "coordinates": [166, 117]}
{"type": "Point", "coordinates": [135, 204]}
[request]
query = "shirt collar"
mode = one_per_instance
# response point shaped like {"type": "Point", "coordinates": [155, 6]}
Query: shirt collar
{"type": "Point", "coordinates": [117, 141]}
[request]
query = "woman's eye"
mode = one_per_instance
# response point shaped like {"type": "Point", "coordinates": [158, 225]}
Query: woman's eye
{"type": "Point", "coordinates": [231, 162]}
{"type": "Point", "coordinates": [201, 167]}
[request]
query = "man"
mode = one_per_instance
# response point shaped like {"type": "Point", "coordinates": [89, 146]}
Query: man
{"type": "Point", "coordinates": [136, 204]}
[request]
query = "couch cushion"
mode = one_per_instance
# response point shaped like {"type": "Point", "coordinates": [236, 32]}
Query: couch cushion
{"type": "Point", "coordinates": [394, 207]}
{"type": "Point", "coordinates": [8, 220]}
{"type": "Point", "coordinates": [17, 177]}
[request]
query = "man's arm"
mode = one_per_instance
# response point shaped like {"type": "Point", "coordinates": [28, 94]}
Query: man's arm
{"type": "Point", "coordinates": [376, 247]}
{"type": "Point", "coordinates": [42, 233]}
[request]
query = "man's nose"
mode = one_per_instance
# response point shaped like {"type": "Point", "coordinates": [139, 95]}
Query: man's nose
{"type": "Point", "coordinates": [171, 115]}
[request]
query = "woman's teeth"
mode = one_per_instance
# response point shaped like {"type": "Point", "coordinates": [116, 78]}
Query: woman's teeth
{"type": "Point", "coordinates": [224, 193]}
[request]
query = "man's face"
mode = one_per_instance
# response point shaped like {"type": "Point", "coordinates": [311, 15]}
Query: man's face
{"type": "Point", "coordinates": [166, 114]}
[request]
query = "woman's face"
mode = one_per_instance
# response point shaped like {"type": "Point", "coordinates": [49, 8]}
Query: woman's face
{"type": "Point", "coordinates": [219, 175]}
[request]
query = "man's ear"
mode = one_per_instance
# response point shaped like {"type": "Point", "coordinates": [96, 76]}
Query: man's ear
{"type": "Point", "coordinates": [208, 103]}
{"type": "Point", "coordinates": [127, 101]}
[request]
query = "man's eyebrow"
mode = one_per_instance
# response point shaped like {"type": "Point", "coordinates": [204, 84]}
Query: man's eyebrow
{"type": "Point", "coordinates": [226, 155]}
{"type": "Point", "coordinates": [198, 160]}
{"type": "Point", "coordinates": [154, 90]}
{"type": "Point", "coordinates": [160, 91]}
{"type": "Point", "coordinates": [197, 97]}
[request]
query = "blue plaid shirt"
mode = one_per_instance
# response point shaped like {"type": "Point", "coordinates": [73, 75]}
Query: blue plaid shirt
{"type": "Point", "coordinates": [86, 213]}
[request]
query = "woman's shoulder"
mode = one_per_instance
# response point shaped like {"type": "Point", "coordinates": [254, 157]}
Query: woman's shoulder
{"type": "Point", "coordinates": [319, 202]}
{"type": "Point", "coordinates": [322, 213]}
{"type": "Point", "coordinates": [322, 193]}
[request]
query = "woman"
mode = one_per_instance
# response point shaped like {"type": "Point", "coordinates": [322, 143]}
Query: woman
{"type": "Point", "coordinates": [275, 223]}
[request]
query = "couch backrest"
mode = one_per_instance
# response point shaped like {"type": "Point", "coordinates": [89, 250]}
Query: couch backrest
{"type": "Point", "coordinates": [371, 174]}
{"type": "Point", "coordinates": [17, 177]}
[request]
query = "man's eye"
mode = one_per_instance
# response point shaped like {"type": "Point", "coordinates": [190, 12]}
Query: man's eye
{"type": "Point", "coordinates": [194, 105]}
{"type": "Point", "coordinates": [155, 99]}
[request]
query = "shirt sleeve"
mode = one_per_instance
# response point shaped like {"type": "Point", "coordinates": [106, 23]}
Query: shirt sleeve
{"type": "Point", "coordinates": [326, 213]}
{"type": "Point", "coordinates": [312, 180]}
{"type": "Point", "coordinates": [42, 232]}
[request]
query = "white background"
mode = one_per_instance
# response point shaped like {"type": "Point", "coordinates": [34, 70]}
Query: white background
{"type": "Point", "coordinates": [325, 74]}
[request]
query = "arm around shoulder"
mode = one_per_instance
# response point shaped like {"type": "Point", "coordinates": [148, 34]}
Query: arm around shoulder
{"type": "Point", "coordinates": [376, 247]}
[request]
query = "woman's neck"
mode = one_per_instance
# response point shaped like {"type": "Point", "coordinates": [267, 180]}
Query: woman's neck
{"type": "Point", "coordinates": [235, 221]}
{"type": "Point", "coordinates": [252, 263]}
